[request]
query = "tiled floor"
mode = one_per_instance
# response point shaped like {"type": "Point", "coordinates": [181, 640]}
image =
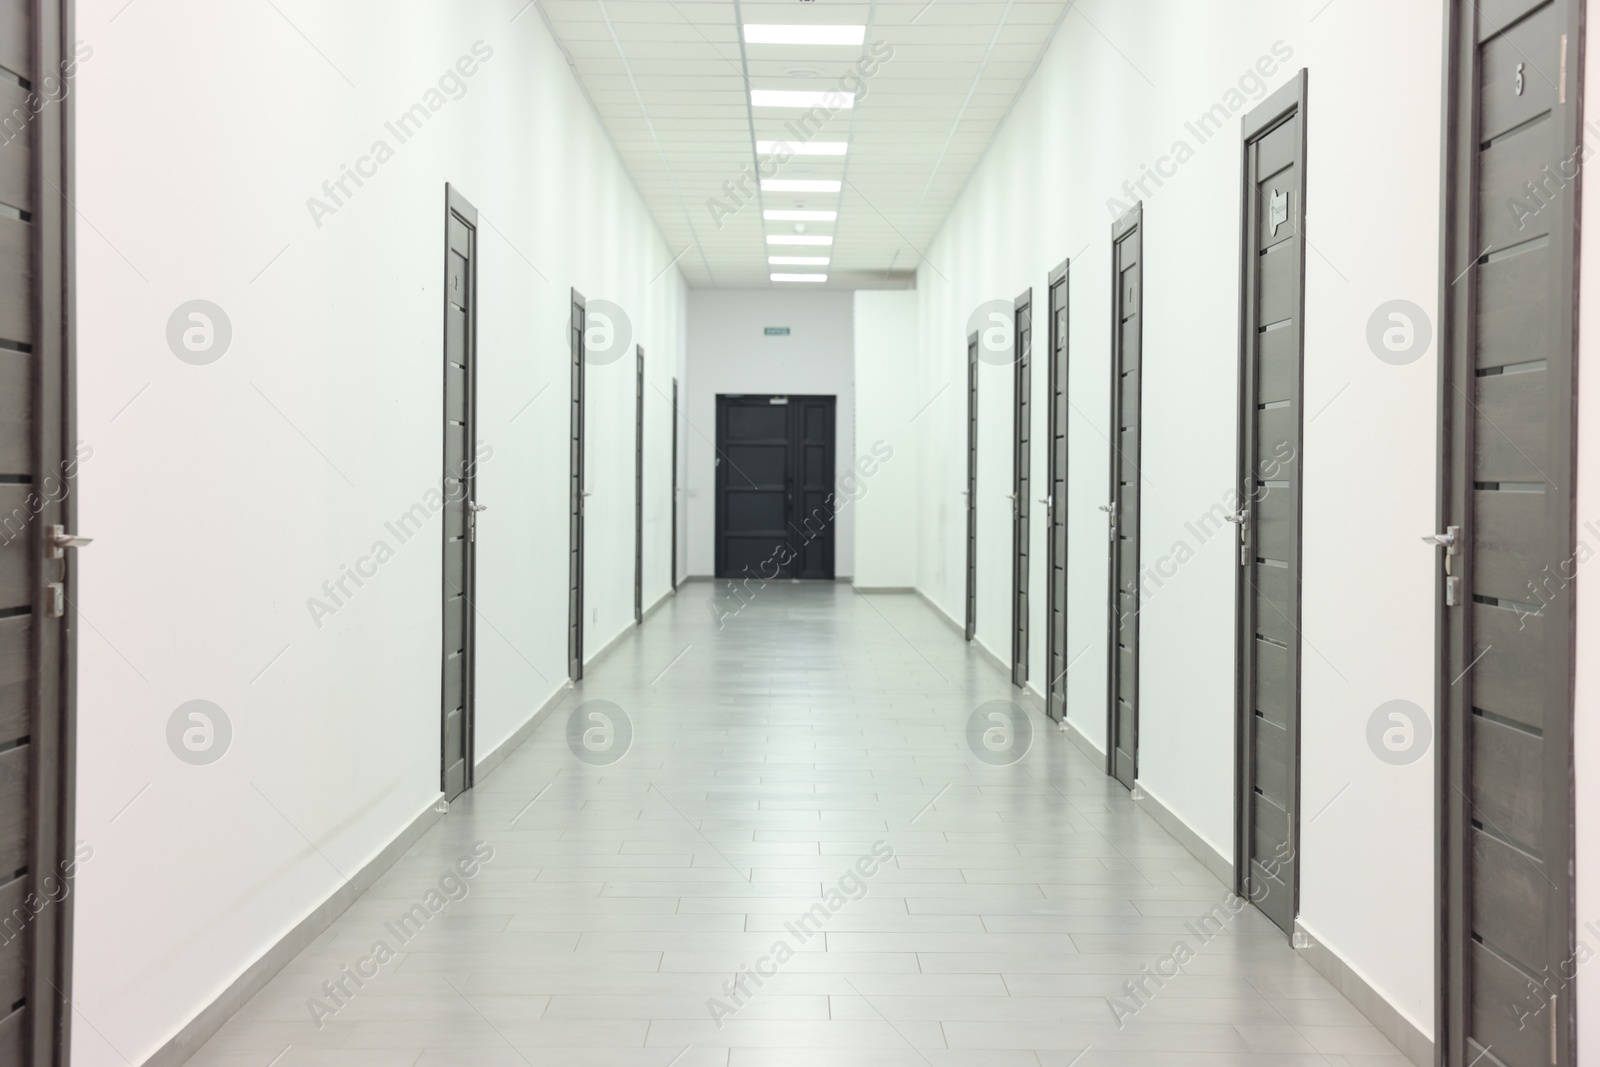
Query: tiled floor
{"type": "Point", "coordinates": [769, 756]}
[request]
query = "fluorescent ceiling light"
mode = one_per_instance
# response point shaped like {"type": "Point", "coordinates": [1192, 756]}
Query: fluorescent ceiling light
{"type": "Point", "coordinates": [798, 261]}
{"type": "Point", "coordinates": [773, 33]}
{"type": "Point", "coordinates": [803, 148]}
{"type": "Point", "coordinates": [799, 277]}
{"type": "Point", "coordinates": [799, 216]}
{"type": "Point", "coordinates": [832, 99]}
{"type": "Point", "coordinates": [795, 239]}
{"type": "Point", "coordinates": [799, 185]}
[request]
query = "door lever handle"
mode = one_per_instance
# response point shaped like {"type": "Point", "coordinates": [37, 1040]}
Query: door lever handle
{"type": "Point", "coordinates": [60, 541]}
{"type": "Point", "coordinates": [475, 506]}
{"type": "Point", "coordinates": [1238, 518]}
{"type": "Point", "coordinates": [1109, 509]}
{"type": "Point", "coordinates": [1450, 540]}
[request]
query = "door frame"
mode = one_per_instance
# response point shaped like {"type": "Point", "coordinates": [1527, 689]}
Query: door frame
{"type": "Point", "coordinates": [638, 487]}
{"type": "Point", "coordinates": [971, 492]}
{"type": "Point", "coordinates": [1058, 350]}
{"type": "Point", "coordinates": [576, 325]}
{"type": "Point", "coordinates": [1453, 639]}
{"type": "Point", "coordinates": [1287, 101]}
{"type": "Point", "coordinates": [459, 208]}
{"type": "Point", "coordinates": [1129, 222]}
{"type": "Point", "coordinates": [1021, 479]}
{"type": "Point", "coordinates": [53, 657]}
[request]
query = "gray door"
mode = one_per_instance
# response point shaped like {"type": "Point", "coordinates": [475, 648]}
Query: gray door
{"type": "Point", "coordinates": [638, 486]}
{"type": "Point", "coordinates": [812, 484]}
{"type": "Point", "coordinates": [1267, 593]}
{"type": "Point", "coordinates": [971, 491]}
{"type": "Point", "coordinates": [1055, 503]}
{"type": "Point", "coordinates": [575, 329]}
{"type": "Point", "coordinates": [1506, 541]}
{"type": "Point", "coordinates": [460, 479]}
{"type": "Point", "coordinates": [38, 573]}
{"type": "Point", "coordinates": [674, 485]}
{"type": "Point", "coordinates": [1021, 480]}
{"type": "Point", "coordinates": [774, 487]}
{"type": "Point", "coordinates": [1122, 711]}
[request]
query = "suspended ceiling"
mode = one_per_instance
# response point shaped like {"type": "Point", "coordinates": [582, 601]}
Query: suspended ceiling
{"type": "Point", "coordinates": [671, 80]}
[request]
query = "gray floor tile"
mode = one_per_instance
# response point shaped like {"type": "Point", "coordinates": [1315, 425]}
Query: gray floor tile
{"type": "Point", "coordinates": [1022, 904]}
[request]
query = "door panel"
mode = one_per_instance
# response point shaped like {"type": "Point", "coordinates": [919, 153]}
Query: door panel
{"type": "Point", "coordinates": [638, 487]}
{"type": "Point", "coordinates": [1513, 314]}
{"type": "Point", "coordinates": [674, 485]}
{"type": "Point", "coordinates": [459, 522]}
{"type": "Point", "coordinates": [1021, 482]}
{"type": "Point", "coordinates": [1127, 332]}
{"type": "Point", "coordinates": [1504, 614]}
{"type": "Point", "coordinates": [775, 509]}
{"type": "Point", "coordinates": [972, 486]}
{"type": "Point", "coordinates": [1056, 658]}
{"type": "Point", "coordinates": [576, 326]}
{"type": "Point", "coordinates": [1268, 496]}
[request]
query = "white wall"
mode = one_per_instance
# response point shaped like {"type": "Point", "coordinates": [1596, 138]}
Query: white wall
{"type": "Point", "coordinates": [1101, 109]}
{"type": "Point", "coordinates": [887, 407]}
{"type": "Point", "coordinates": [729, 353]}
{"type": "Point", "coordinates": [221, 497]}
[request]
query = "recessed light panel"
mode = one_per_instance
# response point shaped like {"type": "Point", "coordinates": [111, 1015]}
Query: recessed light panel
{"type": "Point", "coordinates": [798, 277]}
{"type": "Point", "coordinates": [803, 148]}
{"type": "Point", "coordinates": [780, 215]}
{"type": "Point", "coordinates": [774, 33]}
{"type": "Point", "coordinates": [796, 239]}
{"type": "Point", "coordinates": [832, 99]}
{"type": "Point", "coordinates": [799, 185]}
{"type": "Point", "coordinates": [798, 261]}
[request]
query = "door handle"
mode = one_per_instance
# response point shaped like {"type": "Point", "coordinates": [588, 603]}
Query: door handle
{"type": "Point", "coordinates": [60, 541]}
{"type": "Point", "coordinates": [475, 506]}
{"type": "Point", "coordinates": [1450, 540]}
{"type": "Point", "coordinates": [1241, 519]}
{"type": "Point", "coordinates": [1109, 509]}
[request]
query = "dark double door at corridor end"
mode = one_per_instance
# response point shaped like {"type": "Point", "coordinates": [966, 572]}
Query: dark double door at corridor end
{"type": "Point", "coordinates": [775, 500]}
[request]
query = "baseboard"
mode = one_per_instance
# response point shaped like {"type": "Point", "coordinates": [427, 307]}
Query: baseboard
{"type": "Point", "coordinates": [1412, 1042]}
{"type": "Point", "coordinates": [984, 650]}
{"type": "Point", "coordinates": [992, 656]}
{"type": "Point", "coordinates": [486, 765]}
{"type": "Point", "coordinates": [590, 661]}
{"type": "Point", "coordinates": [960, 628]}
{"type": "Point", "coordinates": [1086, 746]}
{"type": "Point", "coordinates": [653, 608]}
{"type": "Point", "coordinates": [1214, 861]}
{"type": "Point", "coordinates": [187, 1041]}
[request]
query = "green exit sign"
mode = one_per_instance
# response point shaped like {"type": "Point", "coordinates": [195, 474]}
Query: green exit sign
{"type": "Point", "coordinates": [777, 331]}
